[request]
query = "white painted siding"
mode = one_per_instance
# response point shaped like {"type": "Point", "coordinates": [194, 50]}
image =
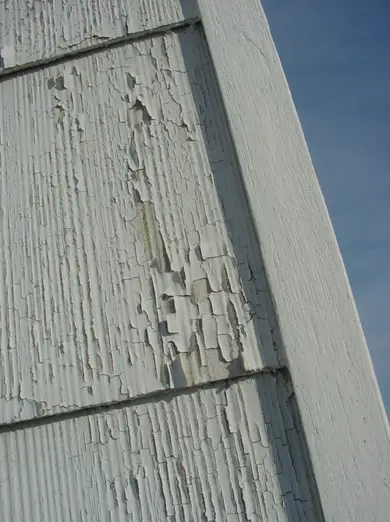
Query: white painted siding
{"type": "Point", "coordinates": [143, 374]}
{"type": "Point", "coordinates": [229, 453]}
{"type": "Point", "coordinates": [32, 31]}
{"type": "Point", "coordinates": [120, 274]}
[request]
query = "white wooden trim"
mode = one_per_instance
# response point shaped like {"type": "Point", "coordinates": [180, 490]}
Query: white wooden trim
{"type": "Point", "coordinates": [340, 404]}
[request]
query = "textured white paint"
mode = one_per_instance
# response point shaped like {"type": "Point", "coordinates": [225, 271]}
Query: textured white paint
{"type": "Point", "coordinates": [32, 30]}
{"type": "Point", "coordinates": [229, 453]}
{"type": "Point", "coordinates": [129, 266]}
{"type": "Point", "coordinates": [341, 408]}
{"type": "Point", "coordinates": [120, 274]}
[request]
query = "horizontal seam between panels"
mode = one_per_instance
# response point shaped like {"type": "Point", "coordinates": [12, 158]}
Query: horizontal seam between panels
{"type": "Point", "coordinates": [164, 394]}
{"type": "Point", "coordinates": [103, 45]}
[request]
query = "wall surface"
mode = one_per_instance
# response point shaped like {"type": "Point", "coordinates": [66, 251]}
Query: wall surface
{"type": "Point", "coordinates": [121, 273]}
{"type": "Point", "coordinates": [37, 32]}
{"type": "Point", "coordinates": [229, 452]}
{"type": "Point", "coordinates": [129, 267]}
{"type": "Point", "coordinates": [145, 371]}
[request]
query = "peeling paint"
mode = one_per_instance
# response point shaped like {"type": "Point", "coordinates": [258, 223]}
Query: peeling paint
{"type": "Point", "coordinates": [227, 453]}
{"type": "Point", "coordinates": [33, 31]}
{"type": "Point", "coordinates": [143, 373]}
{"type": "Point", "coordinates": [123, 269]}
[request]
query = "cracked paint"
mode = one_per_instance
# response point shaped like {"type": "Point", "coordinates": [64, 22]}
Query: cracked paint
{"type": "Point", "coordinates": [128, 261]}
{"type": "Point", "coordinates": [31, 31]}
{"type": "Point", "coordinates": [142, 372]}
{"type": "Point", "coordinates": [227, 453]}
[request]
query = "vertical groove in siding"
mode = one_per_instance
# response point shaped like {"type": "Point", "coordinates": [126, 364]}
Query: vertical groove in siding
{"type": "Point", "coordinates": [128, 260]}
{"type": "Point", "coordinates": [227, 453]}
{"type": "Point", "coordinates": [34, 31]}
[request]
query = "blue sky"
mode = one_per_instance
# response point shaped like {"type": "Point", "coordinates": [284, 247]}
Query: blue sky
{"type": "Point", "coordinates": [336, 55]}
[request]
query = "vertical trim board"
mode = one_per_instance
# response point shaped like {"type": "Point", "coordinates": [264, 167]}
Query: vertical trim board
{"type": "Point", "coordinates": [337, 393]}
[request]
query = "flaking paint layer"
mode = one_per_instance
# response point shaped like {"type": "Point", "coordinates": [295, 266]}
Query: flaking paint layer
{"type": "Point", "coordinates": [128, 263]}
{"type": "Point", "coordinates": [31, 31]}
{"type": "Point", "coordinates": [230, 453]}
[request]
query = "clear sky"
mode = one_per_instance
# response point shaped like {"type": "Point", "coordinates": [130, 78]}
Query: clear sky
{"type": "Point", "coordinates": [336, 55]}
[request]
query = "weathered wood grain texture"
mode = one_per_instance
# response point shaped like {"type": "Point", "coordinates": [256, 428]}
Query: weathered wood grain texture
{"type": "Point", "coordinates": [229, 453]}
{"type": "Point", "coordinates": [341, 408]}
{"type": "Point", "coordinates": [32, 31]}
{"type": "Point", "coordinates": [128, 263]}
